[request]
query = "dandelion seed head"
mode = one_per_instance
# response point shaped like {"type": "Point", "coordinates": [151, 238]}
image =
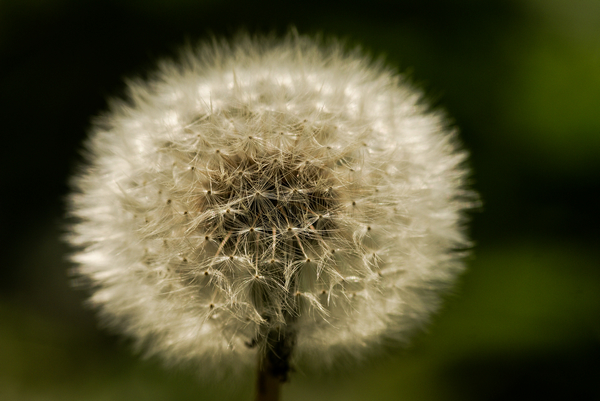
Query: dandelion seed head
{"type": "Point", "coordinates": [261, 184]}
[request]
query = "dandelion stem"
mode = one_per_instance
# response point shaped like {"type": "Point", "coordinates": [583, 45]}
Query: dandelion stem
{"type": "Point", "coordinates": [274, 364]}
{"type": "Point", "coordinates": [268, 386]}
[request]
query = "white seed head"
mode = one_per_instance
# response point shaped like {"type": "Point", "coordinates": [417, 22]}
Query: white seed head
{"type": "Point", "coordinates": [263, 185]}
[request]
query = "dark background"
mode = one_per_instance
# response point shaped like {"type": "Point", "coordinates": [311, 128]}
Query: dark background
{"type": "Point", "coordinates": [520, 78]}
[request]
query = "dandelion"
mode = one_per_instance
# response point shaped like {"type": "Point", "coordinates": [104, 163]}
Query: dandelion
{"type": "Point", "coordinates": [278, 200]}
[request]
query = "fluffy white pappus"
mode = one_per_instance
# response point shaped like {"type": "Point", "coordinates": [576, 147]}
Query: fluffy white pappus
{"type": "Point", "coordinates": [263, 185]}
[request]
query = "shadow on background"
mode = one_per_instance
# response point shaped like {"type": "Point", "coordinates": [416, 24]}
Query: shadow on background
{"type": "Point", "coordinates": [520, 78]}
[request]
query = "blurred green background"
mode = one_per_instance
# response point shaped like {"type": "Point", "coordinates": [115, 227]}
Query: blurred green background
{"type": "Point", "coordinates": [520, 78]}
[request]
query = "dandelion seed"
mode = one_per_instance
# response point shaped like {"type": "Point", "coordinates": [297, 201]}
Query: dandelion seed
{"type": "Point", "coordinates": [315, 172]}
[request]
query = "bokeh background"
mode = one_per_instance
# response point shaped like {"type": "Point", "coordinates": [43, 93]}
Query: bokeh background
{"type": "Point", "coordinates": [521, 78]}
